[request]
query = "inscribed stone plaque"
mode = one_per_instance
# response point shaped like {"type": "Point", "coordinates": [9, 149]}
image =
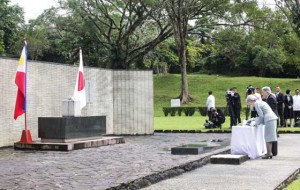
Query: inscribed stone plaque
{"type": "Point", "coordinates": [175, 102]}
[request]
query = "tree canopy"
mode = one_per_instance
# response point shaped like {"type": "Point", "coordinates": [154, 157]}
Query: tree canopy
{"type": "Point", "coordinates": [222, 37]}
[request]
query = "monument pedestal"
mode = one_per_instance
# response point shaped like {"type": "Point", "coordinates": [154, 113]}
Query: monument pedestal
{"type": "Point", "coordinates": [70, 133]}
{"type": "Point", "coordinates": [64, 129]}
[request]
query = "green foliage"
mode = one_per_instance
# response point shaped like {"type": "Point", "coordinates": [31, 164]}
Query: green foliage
{"type": "Point", "coordinates": [125, 31]}
{"type": "Point", "coordinates": [202, 111]}
{"type": "Point", "coordinates": [166, 111]}
{"type": "Point", "coordinates": [189, 111]}
{"type": "Point", "coordinates": [11, 24]}
{"type": "Point", "coordinates": [267, 59]}
{"type": "Point", "coordinates": [179, 110]}
{"type": "Point", "coordinates": [173, 111]}
{"type": "Point", "coordinates": [262, 48]}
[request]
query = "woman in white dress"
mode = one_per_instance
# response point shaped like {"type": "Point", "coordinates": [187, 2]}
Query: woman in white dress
{"type": "Point", "coordinates": [266, 117]}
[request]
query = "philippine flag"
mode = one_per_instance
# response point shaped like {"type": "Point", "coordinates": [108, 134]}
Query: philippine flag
{"type": "Point", "coordinates": [79, 92]}
{"type": "Point", "coordinates": [20, 81]}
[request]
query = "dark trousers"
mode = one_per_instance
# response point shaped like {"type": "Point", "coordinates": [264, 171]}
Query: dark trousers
{"type": "Point", "coordinates": [296, 116]}
{"type": "Point", "coordinates": [280, 114]}
{"type": "Point", "coordinates": [209, 115]}
{"type": "Point", "coordinates": [237, 113]}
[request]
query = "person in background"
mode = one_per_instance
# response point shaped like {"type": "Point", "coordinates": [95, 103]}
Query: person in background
{"type": "Point", "coordinates": [250, 90]}
{"type": "Point", "coordinates": [267, 117]}
{"type": "Point", "coordinates": [288, 108]}
{"type": "Point", "coordinates": [258, 96]}
{"type": "Point", "coordinates": [210, 103]}
{"type": "Point", "coordinates": [237, 106]}
{"type": "Point", "coordinates": [257, 93]}
{"type": "Point", "coordinates": [218, 117]}
{"type": "Point", "coordinates": [270, 98]}
{"type": "Point", "coordinates": [296, 106]}
{"type": "Point", "coordinates": [279, 98]}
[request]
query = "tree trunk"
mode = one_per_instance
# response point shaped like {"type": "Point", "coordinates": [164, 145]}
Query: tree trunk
{"type": "Point", "coordinates": [179, 17]}
{"type": "Point", "coordinates": [184, 96]}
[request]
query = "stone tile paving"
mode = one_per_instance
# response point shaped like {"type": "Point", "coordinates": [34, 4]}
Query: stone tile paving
{"type": "Point", "coordinates": [97, 168]}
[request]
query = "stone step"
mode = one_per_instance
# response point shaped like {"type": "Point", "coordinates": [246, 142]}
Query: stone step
{"type": "Point", "coordinates": [67, 146]}
{"type": "Point", "coordinates": [228, 159]}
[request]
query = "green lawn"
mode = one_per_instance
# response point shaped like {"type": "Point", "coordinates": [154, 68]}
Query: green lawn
{"type": "Point", "coordinates": [194, 123]}
{"type": "Point", "coordinates": [183, 123]}
{"type": "Point", "coordinates": [168, 87]}
{"type": "Point", "coordinates": [295, 185]}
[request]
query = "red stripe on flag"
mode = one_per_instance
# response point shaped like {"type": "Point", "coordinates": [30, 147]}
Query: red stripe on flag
{"type": "Point", "coordinates": [80, 81]}
{"type": "Point", "coordinates": [20, 101]}
{"type": "Point", "coordinates": [20, 81]}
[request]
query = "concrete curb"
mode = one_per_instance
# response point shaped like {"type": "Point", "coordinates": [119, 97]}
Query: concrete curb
{"type": "Point", "coordinates": [214, 131]}
{"type": "Point", "coordinates": [288, 180]}
{"type": "Point", "coordinates": [193, 131]}
{"type": "Point", "coordinates": [166, 174]}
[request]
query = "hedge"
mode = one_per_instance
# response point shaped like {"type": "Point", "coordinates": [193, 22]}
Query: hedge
{"type": "Point", "coordinates": [190, 111]}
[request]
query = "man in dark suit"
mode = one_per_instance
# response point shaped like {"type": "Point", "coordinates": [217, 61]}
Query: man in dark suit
{"type": "Point", "coordinates": [237, 106]}
{"type": "Point", "coordinates": [279, 98]}
{"type": "Point", "coordinates": [271, 100]}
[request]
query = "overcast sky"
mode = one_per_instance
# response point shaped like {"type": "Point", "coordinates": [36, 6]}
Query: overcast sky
{"type": "Point", "coordinates": [33, 8]}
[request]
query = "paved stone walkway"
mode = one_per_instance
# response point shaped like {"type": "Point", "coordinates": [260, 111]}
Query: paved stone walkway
{"type": "Point", "coordinates": [253, 174]}
{"type": "Point", "coordinates": [97, 168]}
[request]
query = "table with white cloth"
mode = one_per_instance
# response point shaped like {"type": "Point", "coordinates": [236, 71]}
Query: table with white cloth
{"type": "Point", "coordinates": [248, 140]}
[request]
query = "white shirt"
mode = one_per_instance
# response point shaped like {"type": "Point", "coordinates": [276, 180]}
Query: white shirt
{"type": "Point", "coordinates": [296, 102]}
{"type": "Point", "coordinates": [210, 102]}
{"type": "Point", "coordinates": [288, 97]}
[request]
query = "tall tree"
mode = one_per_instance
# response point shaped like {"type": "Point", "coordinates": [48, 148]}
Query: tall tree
{"type": "Point", "coordinates": [291, 8]}
{"type": "Point", "coordinates": [127, 29]}
{"type": "Point", "coordinates": [11, 23]}
{"type": "Point", "coordinates": [180, 12]}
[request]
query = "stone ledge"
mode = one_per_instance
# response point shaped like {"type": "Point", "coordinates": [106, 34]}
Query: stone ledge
{"type": "Point", "coordinates": [288, 180]}
{"type": "Point", "coordinates": [193, 131]}
{"type": "Point", "coordinates": [214, 131]}
{"type": "Point", "coordinates": [75, 145]}
{"type": "Point", "coordinates": [228, 159]}
{"type": "Point", "coordinates": [166, 174]}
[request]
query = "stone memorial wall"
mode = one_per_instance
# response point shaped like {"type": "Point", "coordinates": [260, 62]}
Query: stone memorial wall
{"type": "Point", "coordinates": [124, 97]}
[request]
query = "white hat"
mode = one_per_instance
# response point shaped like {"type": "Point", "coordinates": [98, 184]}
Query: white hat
{"type": "Point", "coordinates": [251, 98]}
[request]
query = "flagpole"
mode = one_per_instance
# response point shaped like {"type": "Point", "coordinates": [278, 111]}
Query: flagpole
{"type": "Point", "coordinates": [25, 121]}
{"type": "Point", "coordinates": [25, 106]}
{"type": "Point", "coordinates": [26, 135]}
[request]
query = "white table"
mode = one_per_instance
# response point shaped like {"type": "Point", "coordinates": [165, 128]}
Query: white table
{"type": "Point", "coordinates": [247, 140]}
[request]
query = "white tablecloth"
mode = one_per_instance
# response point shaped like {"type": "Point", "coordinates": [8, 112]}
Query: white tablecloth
{"type": "Point", "coordinates": [247, 140]}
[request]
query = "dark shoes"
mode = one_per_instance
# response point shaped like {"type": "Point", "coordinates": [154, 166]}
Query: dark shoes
{"type": "Point", "coordinates": [267, 156]}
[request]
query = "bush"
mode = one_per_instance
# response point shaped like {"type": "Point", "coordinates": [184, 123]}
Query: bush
{"type": "Point", "coordinates": [179, 111]}
{"type": "Point", "coordinates": [202, 111]}
{"type": "Point", "coordinates": [173, 111]}
{"type": "Point", "coordinates": [189, 111]}
{"type": "Point", "coordinates": [166, 111]}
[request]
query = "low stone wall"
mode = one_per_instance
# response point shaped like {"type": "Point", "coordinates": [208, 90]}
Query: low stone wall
{"type": "Point", "coordinates": [124, 97]}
